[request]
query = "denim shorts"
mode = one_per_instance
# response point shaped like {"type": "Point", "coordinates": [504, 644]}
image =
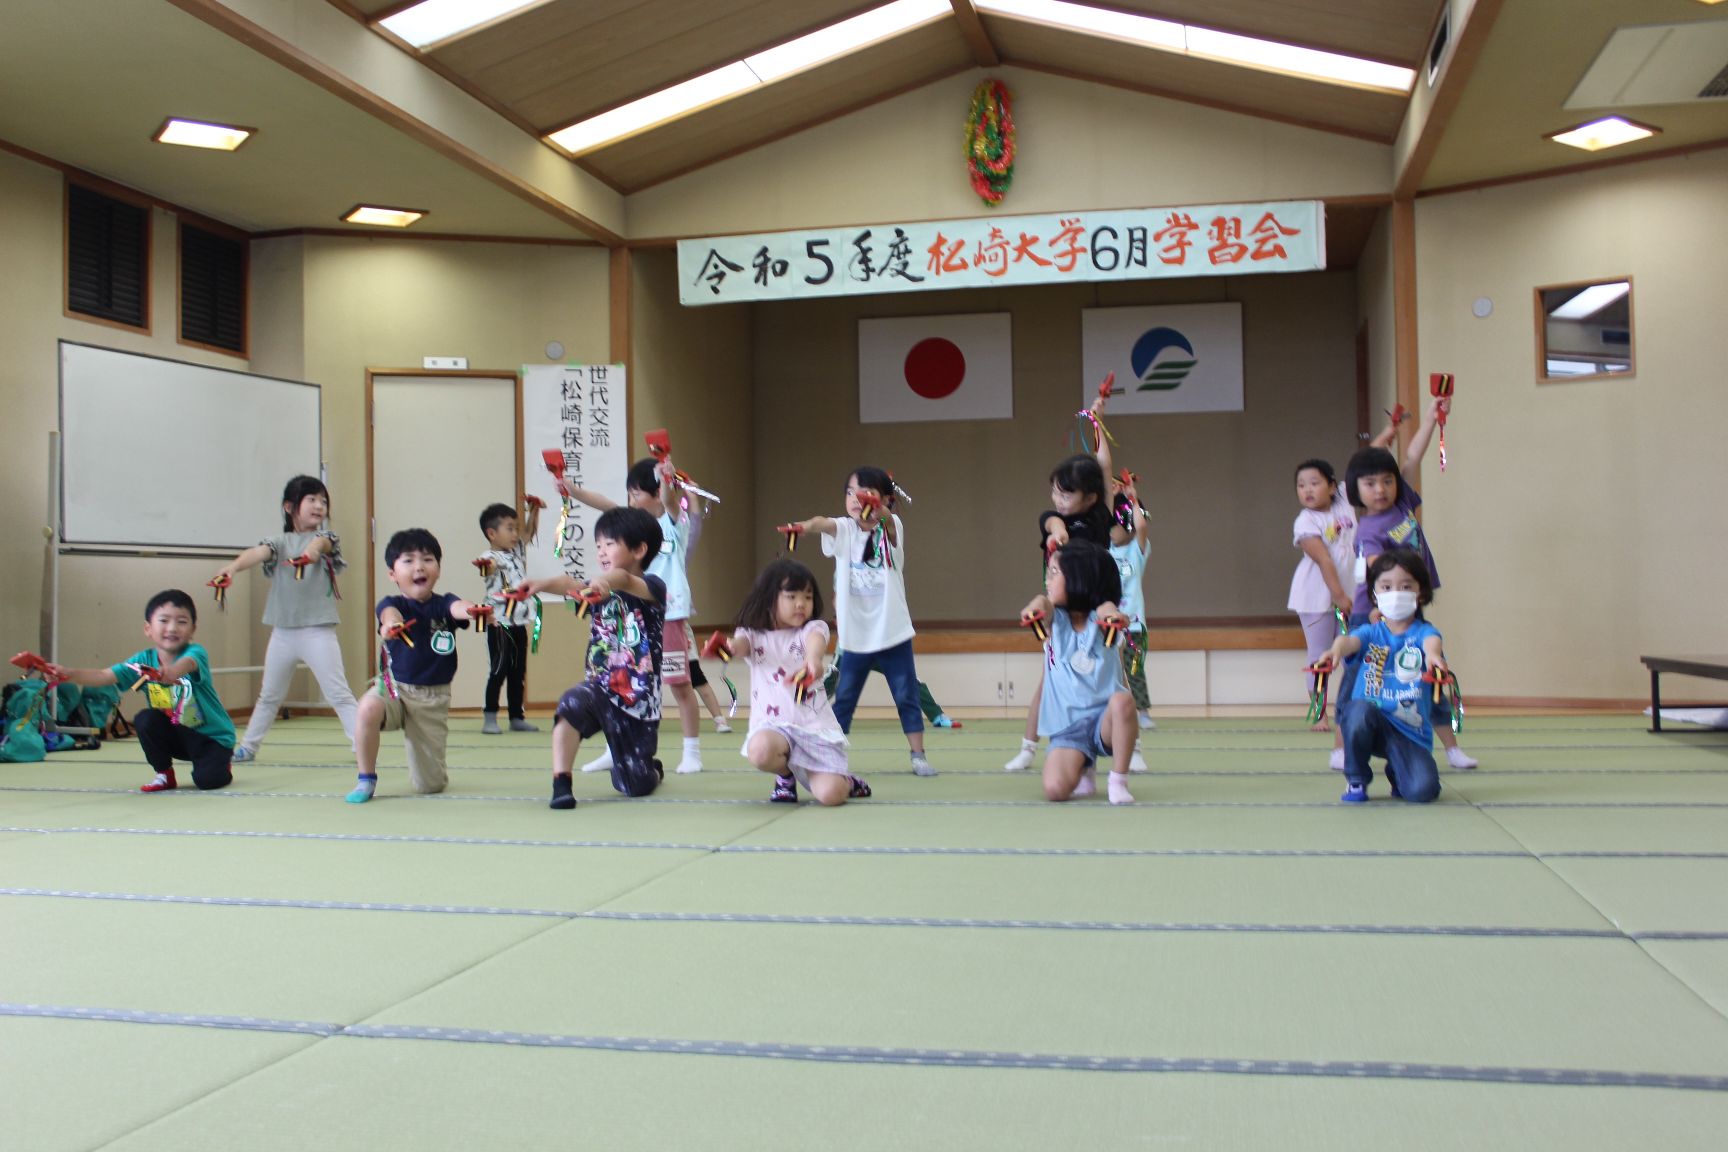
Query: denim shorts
{"type": "Point", "coordinates": [1085, 735]}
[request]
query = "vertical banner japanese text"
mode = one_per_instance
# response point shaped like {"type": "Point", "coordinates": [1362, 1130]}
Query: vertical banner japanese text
{"type": "Point", "coordinates": [577, 409]}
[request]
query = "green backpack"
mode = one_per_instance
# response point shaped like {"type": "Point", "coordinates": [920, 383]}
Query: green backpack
{"type": "Point", "coordinates": [22, 742]}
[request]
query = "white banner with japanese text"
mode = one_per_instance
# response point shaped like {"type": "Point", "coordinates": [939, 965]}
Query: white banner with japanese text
{"type": "Point", "coordinates": [987, 251]}
{"type": "Point", "coordinates": [576, 410]}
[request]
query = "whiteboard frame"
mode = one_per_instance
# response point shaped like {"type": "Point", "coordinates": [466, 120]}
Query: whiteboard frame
{"type": "Point", "coordinates": [142, 548]}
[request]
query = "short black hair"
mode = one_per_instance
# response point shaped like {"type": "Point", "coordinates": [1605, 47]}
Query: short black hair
{"type": "Point", "coordinates": [1089, 575]}
{"type": "Point", "coordinates": [1081, 473]}
{"type": "Point", "coordinates": [297, 490]}
{"type": "Point", "coordinates": [1324, 467]}
{"type": "Point", "coordinates": [174, 598]}
{"type": "Point", "coordinates": [412, 540]}
{"type": "Point", "coordinates": [1370, 462]}
{"type": "Point", "coordinates": [494, 515]}
{"type": "Point", "coordinates": [783, 575]}
{"type": "Point", "coordinates": [644, 476]}
{"type": "Point", "coordinates": [1411, 561]}
{"type": "Point", "coordinates": [631, 527]}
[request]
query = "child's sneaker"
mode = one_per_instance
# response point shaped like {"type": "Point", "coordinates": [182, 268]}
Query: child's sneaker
{"type": "Point", "coordinates": [943, 720]}
{"type": "Point", "coordinates": [860, 790]}
{"type": "Point", "coordinates": [921, 765]}
{"type": "Point", "coordinates": [164, 782]}
{"type": "Point", "coordinates": [1458, 758]}
{"type": "Point", "coordinates": [1336, 762]}
{"type": "Point", "coordinates": [1088, 785]}
{"type": "Point", "coordinates": [363, 789]}
{"type": "Point", "coordinates": [520, 724]}
{"type": "Point", "coordinates": [600, 763]}
{"type": "Point", "coordinates": [561, 796]}
{"type": "Point", "coordinates": [1137, 762]}
{"type": "Point", "coordinates": [1022, 759]}
{"type": "Point", "coordinates": [785, 791]}
{"type": "Point", "coordinates": [1355, 794]}
{"type": "Point", "coordinates": [489, 724]}
{"type": "Point", "coordinates": [1146, 720]}
{"type": "Point", "coordinates": [243, 754]}
{"type": "Point", "coordinates": [1118, 786]}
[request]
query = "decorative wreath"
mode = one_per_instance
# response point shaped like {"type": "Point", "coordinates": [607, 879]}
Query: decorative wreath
{"type": "Point", "coordinates": [990, 141]}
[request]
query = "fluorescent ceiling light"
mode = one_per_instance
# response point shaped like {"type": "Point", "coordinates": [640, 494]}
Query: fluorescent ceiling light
{"type": "Point", "coordinates": [199, 134]}
{"type": "Point", "coordinates": [656, 108]}
{"type": "Point", "coordinates": [1599, 134]}
{"type": "Point", "coordinates": [763, 68]}
{"type": "Point", "coordinates": [384, 217]}
{"type": "Point", "coordinates": [437, 20]}
{"type": "Point", "coordinates": [1206, 44]}
{"type": "Point", "coordinates": [846, 36]}
{"type": "Point", "coordinates": [1591, 301]}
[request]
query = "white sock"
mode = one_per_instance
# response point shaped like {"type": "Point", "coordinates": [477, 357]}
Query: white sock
{"type": "Point", "coordinates": [1118, 788]}
{"type": "Point", "coordinates": [692, 744]}
{"type": "Point", "coordinates": [1028, 745]}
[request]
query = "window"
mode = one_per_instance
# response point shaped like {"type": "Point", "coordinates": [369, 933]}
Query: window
{"type": "Point", "coordinates": [1584, 329]}
{"type": "Point", "coordinates": [107, 258]}
{"type": "Point", "coordinates": [212, 289]}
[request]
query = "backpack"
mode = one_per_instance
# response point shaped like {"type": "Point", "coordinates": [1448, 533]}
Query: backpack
{"type": "Point", "coordinates": [22, 741]}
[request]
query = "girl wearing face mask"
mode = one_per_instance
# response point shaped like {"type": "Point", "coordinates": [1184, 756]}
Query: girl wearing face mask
{"type": "Point", "coordinates": [1386, 519]}
{"type": "Point", "coordinates": [1389, 712]}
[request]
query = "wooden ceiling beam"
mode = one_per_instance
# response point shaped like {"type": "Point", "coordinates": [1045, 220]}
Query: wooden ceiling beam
{"type": "Point", "coordinates": [977, 36]}
{"type": "Point", "coordinates": [1454, 76]}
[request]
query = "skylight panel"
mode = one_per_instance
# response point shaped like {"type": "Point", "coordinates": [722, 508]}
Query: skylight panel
{"type": "Point", "coordinates": [436, 20]}
{"type": "Point", "coordinates": [656, 108]}
{"type": "Point", "coordinates": [845, 36]}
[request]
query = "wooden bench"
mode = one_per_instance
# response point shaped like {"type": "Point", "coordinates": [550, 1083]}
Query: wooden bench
{"type": "Point", "coordinates": [1710, 667]}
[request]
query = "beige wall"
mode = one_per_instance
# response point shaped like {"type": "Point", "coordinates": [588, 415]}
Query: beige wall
{"type": "Point", "coordinates": [1374, 311]}
{"type": "Point", "coordinates": [1218, 485]}
{"type": "Point", "coordinates": [1579, 524]}
{"type": "Point", "coordinates": [385, 303]}
{"type": "Point", "coordinates": [692, 377]}
{"type": "Point", "coordinates": [102, 597]}
{"type": "Point", "coordinates": [1080, 146]}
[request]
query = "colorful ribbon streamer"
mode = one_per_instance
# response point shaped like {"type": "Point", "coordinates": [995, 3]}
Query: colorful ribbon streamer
{"type": "Point", "coordinates": [1322, 673]}
{"type": "Point", "coordinates": [1446, 684]}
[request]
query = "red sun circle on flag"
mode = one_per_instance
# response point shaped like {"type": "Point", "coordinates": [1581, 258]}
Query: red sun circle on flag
{"type": "Point", "coordinates": [935, 368]}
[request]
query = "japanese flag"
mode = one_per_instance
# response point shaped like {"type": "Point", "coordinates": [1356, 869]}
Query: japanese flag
{"type": "Point", "coordinates": [936, 368]}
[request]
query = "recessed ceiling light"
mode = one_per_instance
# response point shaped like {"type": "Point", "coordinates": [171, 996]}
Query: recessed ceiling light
{"type": "Point", "coordinates": [202, 134]}
{"type": "Point", "coordinates": [436, 20]}
{"type": "Point", "coordinates": [384, 217]}
{"type": "Point", "coordinates": [1208, 44]}
{"type": "Point", "coordinates": [1606, 133]}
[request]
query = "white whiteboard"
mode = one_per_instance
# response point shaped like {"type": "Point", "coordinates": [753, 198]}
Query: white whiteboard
{"type": "Point", "coordinates": [164, 454]}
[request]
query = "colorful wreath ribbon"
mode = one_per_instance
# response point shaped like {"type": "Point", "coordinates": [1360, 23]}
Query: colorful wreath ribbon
{"type": "Point", "coordinates": [990, 141]}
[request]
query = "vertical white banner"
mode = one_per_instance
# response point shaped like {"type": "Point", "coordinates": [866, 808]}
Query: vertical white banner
{"type": "Point", "coordinates": [576, 410]}
{"type": "Point", "coordinates": [1168, 358]}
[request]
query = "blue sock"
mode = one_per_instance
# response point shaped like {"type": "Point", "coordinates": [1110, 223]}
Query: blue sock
{"type": "Point", "coordinates": [364, 789]}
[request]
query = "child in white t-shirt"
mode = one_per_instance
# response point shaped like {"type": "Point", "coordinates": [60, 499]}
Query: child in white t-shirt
{"type": "Point", "coordinates": [1325, 578]}
{"type": "Point", "coordinates": [793, 731]}
{"type": "Point", "coordinates": [869, 550]}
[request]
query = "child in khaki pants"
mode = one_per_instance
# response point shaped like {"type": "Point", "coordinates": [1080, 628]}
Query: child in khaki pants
{"type": "Point", "coordinates": [418, 629]}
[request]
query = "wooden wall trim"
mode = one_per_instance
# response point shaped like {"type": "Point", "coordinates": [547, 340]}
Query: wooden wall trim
{"type": "Point", "coordinates": [620, 332]}
{"type": "Point", "coordinates": [1404, 323]}
{"type": "Point", "coordinates": [1467, 45]}
{"type": "Point", "coordinates": [442, 237]}
{"type": "Point", "coordinates": [1579, 169]}
{"type": "Point", "coordinates": [977, 36]}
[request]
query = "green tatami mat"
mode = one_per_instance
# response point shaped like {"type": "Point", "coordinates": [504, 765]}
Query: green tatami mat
{"type": "Point", "coordinates": [76, 1084]}
{"type": "Point", "coordinates": [1652, 895]}
{"type": "Point", "coordinates": [1296, 997]}
{"type": "Point", "coordinates": [1185, 890]}
{"type": "Point", "coordinates": [363, 1095]}
{"type": "Point", "coordinates": [275, 962]}
{"type": "Point", "coordinates": [1657, 830]}
{"type": "Point", "coordinates": [570, 879]}
{"type": "Point", "coordinates": [1703, 965]}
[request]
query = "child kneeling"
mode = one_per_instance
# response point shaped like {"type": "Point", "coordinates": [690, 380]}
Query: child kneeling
{"type": "Point", "coordinates": [1081, 708]}
{"type": "Point", "coordinates": [1389, 710]}
{"type": "Point", "coordinates": [794, 734]}
{"type": "Point", "coordinates": [620, 695]}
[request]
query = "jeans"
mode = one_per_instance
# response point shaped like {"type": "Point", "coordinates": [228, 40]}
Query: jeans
{"type": "Point", "coordinates": [1368, 731]}
{"type": "Point", "coordinates": [897, 668]}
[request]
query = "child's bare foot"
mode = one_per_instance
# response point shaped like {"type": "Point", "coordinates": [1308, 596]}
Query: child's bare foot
{"type": "Point", "coordinates": [1322, 726]}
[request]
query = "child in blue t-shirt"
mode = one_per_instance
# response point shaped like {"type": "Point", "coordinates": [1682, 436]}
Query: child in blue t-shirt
{"type": "Point", "coordinates": [184, 719]}
{"type": "Point", "coordinates": [1081, 708]}
{"type": "Point", "coordinates": [417, 633]}
{"type": "Point", "coordinates": [1389, 710]}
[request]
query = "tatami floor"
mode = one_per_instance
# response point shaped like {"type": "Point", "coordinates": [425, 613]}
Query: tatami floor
{"type": "Point", "coordinates": [1540, 960]}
